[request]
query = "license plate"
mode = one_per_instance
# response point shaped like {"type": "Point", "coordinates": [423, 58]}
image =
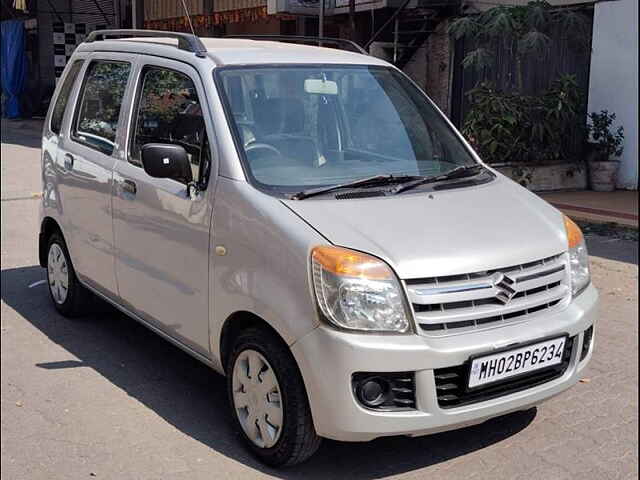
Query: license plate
{"type": "Point", "coordinates": [503, 365]}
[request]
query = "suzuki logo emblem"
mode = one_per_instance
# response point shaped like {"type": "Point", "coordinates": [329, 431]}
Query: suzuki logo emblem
{"type": "Point", "coordinates": [504, 285]}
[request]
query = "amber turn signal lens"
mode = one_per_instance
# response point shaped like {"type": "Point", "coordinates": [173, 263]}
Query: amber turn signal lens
{"type": "Point", "coordinates": [349, 263]}
{"type": "Point", "coordinates": [574, 234]}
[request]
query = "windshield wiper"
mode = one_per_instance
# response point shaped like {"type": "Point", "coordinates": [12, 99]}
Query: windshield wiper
{"type": "Point", "coordinates": [405, 182]}
{"type": "Point", "coordinates": [458, 172]}
{"type": "Point", "coordinates": [374, 181]}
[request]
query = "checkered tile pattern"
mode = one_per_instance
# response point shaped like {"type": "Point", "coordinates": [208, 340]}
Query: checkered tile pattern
{"type": "Point", "coordinates": [66, 37]}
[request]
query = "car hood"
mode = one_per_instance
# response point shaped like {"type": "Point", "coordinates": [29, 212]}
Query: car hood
{"type": "Point", "coordinates": [448, 232]}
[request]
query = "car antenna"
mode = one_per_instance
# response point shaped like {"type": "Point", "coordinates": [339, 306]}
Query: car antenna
{"type": "Point", "coordinates": [186, 11]}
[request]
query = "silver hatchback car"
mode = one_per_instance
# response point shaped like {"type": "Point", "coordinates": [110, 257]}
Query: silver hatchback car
{"type": "Point", "coordinates": [306, 222]}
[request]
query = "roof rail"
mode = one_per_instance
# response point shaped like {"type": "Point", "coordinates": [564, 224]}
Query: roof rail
{"type": "Point", "coordinates": [186, 41]}
{"type": "Point", "coordinates": [353, 46]}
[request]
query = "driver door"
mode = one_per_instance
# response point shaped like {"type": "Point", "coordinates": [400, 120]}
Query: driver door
{"type": "Point", "coordinates": [161, 232]}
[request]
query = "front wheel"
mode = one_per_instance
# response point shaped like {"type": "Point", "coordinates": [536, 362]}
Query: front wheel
{"type": "Point", "coordinates": [269, 400]}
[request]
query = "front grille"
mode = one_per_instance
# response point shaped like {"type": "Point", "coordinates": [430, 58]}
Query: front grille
{"type": "Point", "coordinates": [451, 382]}
{"type": "Point", "coordinates": [456, 303]}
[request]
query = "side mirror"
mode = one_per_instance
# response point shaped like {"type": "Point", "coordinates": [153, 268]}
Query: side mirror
{"type": "Point", "coordinates": [164, 160]}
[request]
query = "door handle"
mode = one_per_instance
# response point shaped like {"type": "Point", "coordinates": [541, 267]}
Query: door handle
{"type": "Point", "coordinates": [129, 186]}
{"type": "Point", "coordinates": [68, 161]}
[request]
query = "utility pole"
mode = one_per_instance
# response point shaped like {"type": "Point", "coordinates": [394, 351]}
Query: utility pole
{"type": "Point", "coordinates": [352, 19]}
{"type": "Point", "coordinates": [321, 20]}
{"type": "Point", "coordinates": [134, 14]}
{"type": "Point", "coordinates": [137, 14]}
{"type": "Point", "coordinates": [118, 14]}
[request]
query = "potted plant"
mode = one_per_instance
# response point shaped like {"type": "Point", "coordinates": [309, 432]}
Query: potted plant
{"type": "Point", "coordinates": [604, 147]}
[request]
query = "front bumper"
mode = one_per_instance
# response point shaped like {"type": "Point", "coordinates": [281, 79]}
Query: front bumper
{"type": "Point", "coordinates": [327, 359]}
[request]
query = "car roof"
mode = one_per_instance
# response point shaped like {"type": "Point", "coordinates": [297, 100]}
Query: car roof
{"type": "Point", "coordinates": [243, 51]}
{"type": "Point", "coordinates": [234, 51]}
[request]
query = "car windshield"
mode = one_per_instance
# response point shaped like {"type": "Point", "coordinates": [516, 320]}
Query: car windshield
{"type": "Point", "coordinates": [301, 127]}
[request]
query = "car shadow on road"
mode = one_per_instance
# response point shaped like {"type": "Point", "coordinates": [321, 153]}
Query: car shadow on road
{"type": "Point", "coordinates": [192, 398]}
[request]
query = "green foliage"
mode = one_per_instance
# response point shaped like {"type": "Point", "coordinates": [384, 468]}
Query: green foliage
{"type": "Point", "coordinates": [479, 58]}
{"type": "Point", "coordinates": [492, 124]}
{"type": "Point", "coordinates": [498, 21]}
{"type": "Point", "coordinates": [526, 30]}
{"type": "Point", "coordinates": [599, 128]}
{"type": "Point", "coordinates": [573, 26]}
{"type": "Point", "coordinates": [537, 15]}
{"type": "Point", "coordinates": [535, 42]}
{"type": "Point", "coordinates": [559, 115]}
{"type": "Point", "coordinates": [463, 26]}
{"type": "Point", "coordinates": [505, 127]}
{"type": "Point", "coordinates": [165, 93]}
{"type": "Point", "coordinates": [510, 126]}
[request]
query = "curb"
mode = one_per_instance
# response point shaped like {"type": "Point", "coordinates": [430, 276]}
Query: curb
{"type": "Point", "coordinates": [598, 215]}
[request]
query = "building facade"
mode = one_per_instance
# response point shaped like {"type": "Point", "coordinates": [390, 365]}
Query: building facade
{"type": "Point", "coordinates": [53, 29]}
{"type": "Point", "coordinates": [412, 34]}
{"type": "Point", "coordinates": [217, 17]}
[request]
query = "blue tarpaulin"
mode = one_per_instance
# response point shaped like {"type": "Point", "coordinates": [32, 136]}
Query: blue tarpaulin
{"type": "Point", "coordinates": [13, 65]}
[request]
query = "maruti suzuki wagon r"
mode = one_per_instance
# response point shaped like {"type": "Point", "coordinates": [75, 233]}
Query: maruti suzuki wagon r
{"type": "Point", "coordinates": [305, 221]}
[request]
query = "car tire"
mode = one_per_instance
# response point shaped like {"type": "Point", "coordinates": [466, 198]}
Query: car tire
{"type": "Point", "coordinates": [69, 297]}
{"type": "Point", "coordinates": [295, 439]}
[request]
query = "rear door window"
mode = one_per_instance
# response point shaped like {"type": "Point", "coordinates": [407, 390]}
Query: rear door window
{"type": "Point", "coordinates": [98, 111]}
{"type": "Point", "coordinates": [63, 97]}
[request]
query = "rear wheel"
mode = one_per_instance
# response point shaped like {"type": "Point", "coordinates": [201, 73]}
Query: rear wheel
{"type": "Point", "coordinates": [69, 297]}
{"type": "Point", "coordinates": [269, 400]}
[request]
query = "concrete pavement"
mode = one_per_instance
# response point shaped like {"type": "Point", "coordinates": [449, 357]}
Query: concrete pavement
{"type": "Point", "coordinates": [102, 397]}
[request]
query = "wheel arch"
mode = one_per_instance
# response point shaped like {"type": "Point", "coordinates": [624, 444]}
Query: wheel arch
{"type": "Point", "coordinates": [235, 324]}
{"type": "Point", "coordinates": [47, 227]}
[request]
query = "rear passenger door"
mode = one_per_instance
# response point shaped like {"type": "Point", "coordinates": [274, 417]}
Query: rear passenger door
{"type": "Point", "coordinates": [161, 232]}
{"type": "Point", "coordinates": [53, 133]}
{"type": "Point", "coordinates": [86, 162]}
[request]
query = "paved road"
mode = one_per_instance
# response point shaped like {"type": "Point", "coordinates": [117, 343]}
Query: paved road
{"type": "Point", "coordinates": [105, 398]}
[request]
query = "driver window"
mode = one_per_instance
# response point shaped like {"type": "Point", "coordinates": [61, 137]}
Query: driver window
{"type": "Point", "coordinates": [169, 111]}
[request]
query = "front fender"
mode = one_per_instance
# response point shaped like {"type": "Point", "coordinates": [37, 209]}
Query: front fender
{"type": "Point", "coordinates": [259, 263]}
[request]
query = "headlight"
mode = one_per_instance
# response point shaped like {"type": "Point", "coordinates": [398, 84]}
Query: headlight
{"type": "Point", "coordinates": [357, 291]}
{"type": "Point", "coordinates": [578, 257]}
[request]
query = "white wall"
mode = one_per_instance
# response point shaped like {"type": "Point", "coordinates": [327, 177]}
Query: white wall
{"type": "Point", "coordinates": [613, 84]}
